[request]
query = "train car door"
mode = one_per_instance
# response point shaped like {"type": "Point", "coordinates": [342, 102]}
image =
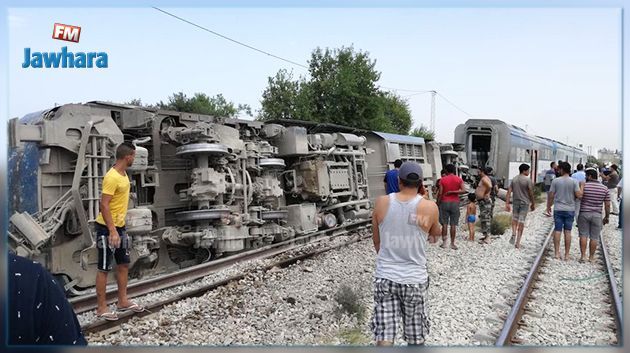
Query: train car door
{"type": "Point", "coordinates": [533, 165]}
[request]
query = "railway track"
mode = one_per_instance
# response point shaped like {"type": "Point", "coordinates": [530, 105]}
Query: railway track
{"type": "Point", "coordinates": [171, 280]}
{"type": "Point", "coordinates": [514, 321]}
{"type": "Point", "coordinates": [87, 302]}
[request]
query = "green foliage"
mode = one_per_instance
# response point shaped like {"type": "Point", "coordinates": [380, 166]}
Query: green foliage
{"type": "Point", "coordinates": [350, 302]}
{"type": "Point", "coordinates": [136, 102]}
{"type": "Point", "coordinates": [201, 103]}
{"type": "Point", "coordinates": [593, 159]}
{"type": "Point", "coordinates": [500, 223]}
{"type": "Point", "coordinates": [423, 132]}
{"type": "Point", "coordinates": [341, 89]}
{"type": "Point", "coordinates": [539, 197]}
{"type": "Point", "coordinates": [355, 336]}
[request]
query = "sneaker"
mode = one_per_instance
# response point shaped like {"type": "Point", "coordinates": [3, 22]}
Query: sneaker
{"type": "Point", "coordinates": [512, 240]}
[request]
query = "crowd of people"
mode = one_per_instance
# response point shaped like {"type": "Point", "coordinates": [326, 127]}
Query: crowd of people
{"type": "Point", "coordinates": [404, 220]}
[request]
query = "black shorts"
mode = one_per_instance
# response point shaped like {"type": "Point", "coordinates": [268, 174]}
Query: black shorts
{"type": "Point", "coordinates": [121, 254]}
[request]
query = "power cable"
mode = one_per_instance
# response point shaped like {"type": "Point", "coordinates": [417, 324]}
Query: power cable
{"type": "Point", "coordinates": [414, 92]}
{"type": "Point", "coordinates": [230, 39]}
{"type": "Point", "coordinates": [453, 104]}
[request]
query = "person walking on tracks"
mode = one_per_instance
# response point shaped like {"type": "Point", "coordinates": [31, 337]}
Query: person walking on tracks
{"type": "Point", "coordinates": [111, 239]}
{"type": "Point", "coordinates": [611, 181]}
{"type": "Point", "coordinates": [522, 190]}
{"type": "Point", "coordinates": [391, 178]}
{"type": "Point", "coordinates": [400, 224]}
{"type": "Point", "coordinates": [562, 194]}
{"type": "Point", "coordinates": [580, 177]}
{"type": "Point", "coordinates": [590, 220]}
{"type": "Point", "coordinates": [485, 204]}
{"type": "Point", "coordinates": [451, 186]}
{"type": "Point", "coordinates": [550, 174]}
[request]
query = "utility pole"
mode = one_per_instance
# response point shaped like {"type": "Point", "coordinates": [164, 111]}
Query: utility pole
{"type": "Point", "coordinates": [432, 127]}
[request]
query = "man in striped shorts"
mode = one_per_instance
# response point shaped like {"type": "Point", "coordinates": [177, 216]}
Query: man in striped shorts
{"type": "Point", "coordinates": [400, 223]}
{"type": "Point", "coordinates": [590, 220]}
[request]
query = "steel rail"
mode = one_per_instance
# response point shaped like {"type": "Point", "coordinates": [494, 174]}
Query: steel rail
{"type": "Point", "coordinates": [511, 323]}
{"type": "Point", "coordinates": [87, 302]}
{"type": "Point", "coordinates": [615, 300]}
{"type": "Point", "coordinates": [103, 325]}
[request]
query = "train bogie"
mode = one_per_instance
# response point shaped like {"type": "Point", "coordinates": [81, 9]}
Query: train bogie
{"type": "Point", "coordinates": [202, 186]}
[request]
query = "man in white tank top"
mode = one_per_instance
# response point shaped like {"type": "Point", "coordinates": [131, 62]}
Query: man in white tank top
{"type": "Point", "coordinates": [401, 223]}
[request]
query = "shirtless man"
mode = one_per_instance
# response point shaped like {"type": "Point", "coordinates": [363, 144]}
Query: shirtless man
{"type": "Point", "coordinates": [485, 204]}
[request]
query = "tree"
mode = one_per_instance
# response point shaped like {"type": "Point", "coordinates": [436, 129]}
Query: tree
{"type": "Point", "coordinates": [423, 132]}
{"type": "Point", "coordinates": [593, 160]}
{"type": "Point", "coordinates": [280, 97]}
{"type": "Point", "coordinates": [397, 113]}
{"type": "Point", "coordinates": [341, 89]}
{"type": "Point", "coordinates": [201, 103]}
{"type": "Point", "coordinates": [136, 102]}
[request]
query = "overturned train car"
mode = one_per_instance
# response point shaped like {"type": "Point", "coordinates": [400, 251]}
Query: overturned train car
{"type": "Point", "coordinates": [202, 186]}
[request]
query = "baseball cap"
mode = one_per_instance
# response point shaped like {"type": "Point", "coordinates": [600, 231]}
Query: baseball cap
{"type": "Point", "coordinates": [410, 171]}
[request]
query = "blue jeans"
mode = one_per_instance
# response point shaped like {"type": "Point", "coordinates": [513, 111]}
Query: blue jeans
{"type": "Point", "coordinates": [563, 220]}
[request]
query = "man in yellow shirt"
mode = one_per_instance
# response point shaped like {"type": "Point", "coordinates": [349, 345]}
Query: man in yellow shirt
{"type": "Point", "coordinates": [111, 239]}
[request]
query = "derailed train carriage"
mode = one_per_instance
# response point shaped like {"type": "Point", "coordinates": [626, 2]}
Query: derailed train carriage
{"type": "Point", "coordinates": [502, 146]}
{"type": "Point", "coordinates": [202, 186]}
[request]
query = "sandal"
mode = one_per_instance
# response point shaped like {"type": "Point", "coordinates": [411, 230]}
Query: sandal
{"type": "Point", "coordinates": [133, 307]}
{"type": "Point", "coordinates": [109, 316]}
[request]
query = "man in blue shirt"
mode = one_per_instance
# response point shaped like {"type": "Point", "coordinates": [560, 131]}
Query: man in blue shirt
{"type": "Point", "coordinates": [391, 178]}
{"type": "Point", "coordinates": [580, 177]}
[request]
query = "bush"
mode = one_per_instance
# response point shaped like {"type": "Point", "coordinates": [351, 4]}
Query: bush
{"type": "Point", "coordinates": [350, 301]}
{"type": "Point", "coordinates": [538, 194]}
{"type": "Point", "coordinates": [500, 223]}
{"type": "Point", "coordinates": [355, 336]}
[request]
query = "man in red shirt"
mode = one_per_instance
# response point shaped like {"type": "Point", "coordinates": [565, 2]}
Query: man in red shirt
{"type": "Point", "coordinates": [448, 196]}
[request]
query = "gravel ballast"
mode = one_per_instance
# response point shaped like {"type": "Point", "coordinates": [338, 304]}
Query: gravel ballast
{"type": "Point", "coordinates": [470, 290]}
{"type": "Point", "coordinates": [569, 307]}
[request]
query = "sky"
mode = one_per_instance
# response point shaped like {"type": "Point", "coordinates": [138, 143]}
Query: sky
{"type": "Point", "coordinates": [554, 72]}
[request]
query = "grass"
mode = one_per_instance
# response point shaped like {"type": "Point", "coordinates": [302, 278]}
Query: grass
{"type": "Point", "coordinates": [355, 336]}
{"type": "Point", "coordinates": [500, 223]}
{"type": "Point", "coordinates": [539, 196]}
{"type": "Point", "coordinates": [350, 302]}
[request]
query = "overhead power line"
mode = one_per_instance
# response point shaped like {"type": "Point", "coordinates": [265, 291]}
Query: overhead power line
{"type": "Point", "coordinates": [230, 39]}
{"type": "Point", "coordinates": [414, 92]}
{"type": "Point", "coordinates": [406, 90]}
{"type": "Point", "coordinates": [453, 104]}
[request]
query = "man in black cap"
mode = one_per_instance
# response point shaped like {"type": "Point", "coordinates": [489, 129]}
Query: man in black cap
{"type": "Point", "coordinates": [400, 223]}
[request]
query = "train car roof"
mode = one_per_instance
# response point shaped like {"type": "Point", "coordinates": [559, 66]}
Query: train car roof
{"type": "Point", "coordinates": [519, 131]}
{"type": "Point", "coordinates": [412, 140]}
